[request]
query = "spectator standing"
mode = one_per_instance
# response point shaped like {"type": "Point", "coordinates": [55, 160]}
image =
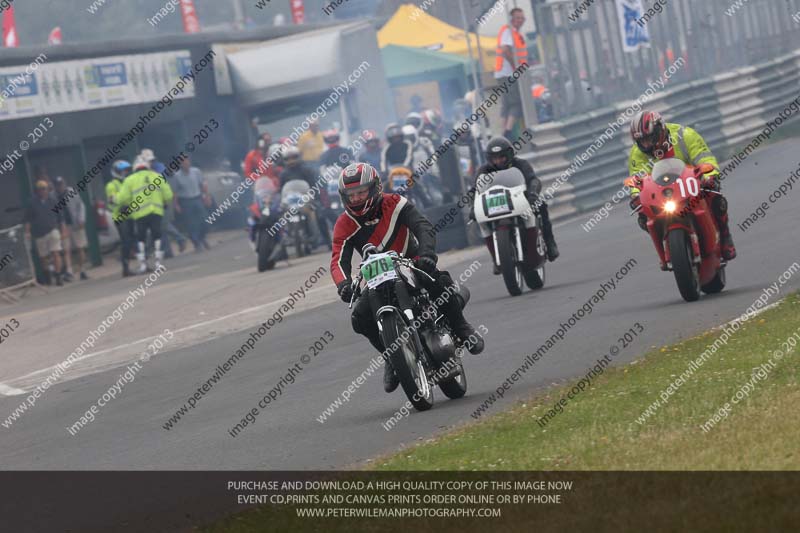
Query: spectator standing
{"type": "Point", "coordinates": [168, 229]}
{"type": "Point", "coordinates": [45, 224]}
{"type": "Point", "coordinates": [311, 144]}
{"type": "Point", "coordinates": [74, 236]}
{"type": "Point", "coordinates": [120, 170]}
{"type": "Point", "coordinates": [189, 187]}
{"type": "Point", "coordinates": [511, 53]}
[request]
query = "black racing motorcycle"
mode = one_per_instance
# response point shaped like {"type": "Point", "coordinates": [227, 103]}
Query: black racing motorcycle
{"type": "Point", "coordinates": [420, 343]}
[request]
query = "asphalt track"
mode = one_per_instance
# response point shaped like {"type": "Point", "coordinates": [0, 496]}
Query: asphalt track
{"type": "Point", "coordinates": [128, 432]}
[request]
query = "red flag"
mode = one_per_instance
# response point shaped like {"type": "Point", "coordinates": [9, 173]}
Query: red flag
{"type": "Point", "coordinates": [191, 24]}
{"type": "Point", "coordinates": [55, 36]}
{"type": "Point", "coordinates": [10, 39]}
{"type": "Point", "coordinates": [298, 11]}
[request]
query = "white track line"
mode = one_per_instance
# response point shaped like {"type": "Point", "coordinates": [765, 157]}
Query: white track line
{"type": "Point", "coordinates": [5, 389]}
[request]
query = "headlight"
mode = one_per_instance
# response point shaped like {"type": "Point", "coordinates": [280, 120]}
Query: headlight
{"type": "Point", "coordinates": [265, 211]}
{"type": "Point", "coordinates": [670, 207]}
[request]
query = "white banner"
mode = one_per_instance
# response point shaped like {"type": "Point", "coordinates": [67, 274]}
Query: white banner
{"type": "Point", "coordinates": [634, 33]}
{"type": "Point", "coordinates": [80, 85]}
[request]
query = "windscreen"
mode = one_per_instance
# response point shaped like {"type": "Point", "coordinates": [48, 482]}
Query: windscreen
{"type": "Point", "coordinates": [510, 177]}
{"type": "Point", "coordinates": [666, 171]}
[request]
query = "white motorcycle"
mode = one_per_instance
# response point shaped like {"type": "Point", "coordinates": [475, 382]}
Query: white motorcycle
{"type": "Point", "coordinates": [503, 213]}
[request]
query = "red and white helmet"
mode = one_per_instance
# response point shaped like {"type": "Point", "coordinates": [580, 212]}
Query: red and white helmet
{"type": "Point", "coordinates": [356, 179]}
{"type": "Point", "coordinates": [433, 119]}
{"type": "Point", "coordinates": [371, 136]}
{"type": "Point", "coordinates": [331, 136]}
{"type": "Point", "coordinates": [649, 132]}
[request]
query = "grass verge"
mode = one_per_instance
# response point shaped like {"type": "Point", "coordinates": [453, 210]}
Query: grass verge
{"type": "Point", "coordinates": [598, 429]}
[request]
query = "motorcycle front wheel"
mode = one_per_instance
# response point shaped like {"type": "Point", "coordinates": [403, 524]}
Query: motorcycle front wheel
{"type": "Point", "coordinates": [535, 277]}
{"type": "Point", "coordinates": [509, 261]}
{"type": "Point", "coordinates": [686, 273]}
{"type": "Point", "coordinates": [406, 363]}
{"type": "Point", "coordinates": [265, 246]}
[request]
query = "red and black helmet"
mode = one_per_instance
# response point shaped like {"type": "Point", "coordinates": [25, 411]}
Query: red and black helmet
{"type": "Point", "coordinates": [649, 132]}
{"type": "Point", "coordinates": [356, 179]}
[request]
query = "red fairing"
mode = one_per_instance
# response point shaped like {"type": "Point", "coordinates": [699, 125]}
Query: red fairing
{"type": "Point", "coordinates": [692, 214]}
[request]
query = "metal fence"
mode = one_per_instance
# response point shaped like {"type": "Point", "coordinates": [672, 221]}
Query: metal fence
{"type": "Point", "coordinates": [586, 67]}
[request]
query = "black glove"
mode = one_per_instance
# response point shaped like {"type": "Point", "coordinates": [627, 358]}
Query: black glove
{"type": "Point", "coordinates": [426, 263]}
{"type": "Point", "coordinates": [345, 290]}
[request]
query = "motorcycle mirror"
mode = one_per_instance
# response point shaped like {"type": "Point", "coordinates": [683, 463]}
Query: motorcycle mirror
{"type": "Point", "coordinates": [630, 182]}
{"type": "Point", "coordinates": [704, 168]}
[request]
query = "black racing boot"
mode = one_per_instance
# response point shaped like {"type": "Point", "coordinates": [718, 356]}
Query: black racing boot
{"type": "Point", "coordinates": [547, 229]}
{"type": "Point", "coordinates": [728, 249]}
{"type": "Point", "coordinates": [469, 336]}
{"type": "Point", "coordinates": [453, 309]}
{"type": "Point", "coordinates": [390, 379]}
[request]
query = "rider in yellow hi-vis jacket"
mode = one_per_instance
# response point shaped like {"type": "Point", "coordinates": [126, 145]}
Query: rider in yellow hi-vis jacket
{"type": "Point", "coordinates": [655, 139]}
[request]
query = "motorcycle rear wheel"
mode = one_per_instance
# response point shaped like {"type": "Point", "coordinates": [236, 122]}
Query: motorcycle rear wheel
{"type": "Point", "coordinates": [686, 273]}
{"type": "Point", "coordinates": [455, 387]}
{"type": "Point", "coordinates": [406, 363]}
{"type": "Point", "coordinates": [717, 284]}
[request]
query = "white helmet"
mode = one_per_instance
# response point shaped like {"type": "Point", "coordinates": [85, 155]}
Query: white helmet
{"type": "Point", "coordinates": [274, 151]}
{"type": "Point", "coordinates": [410, 134]}
{"type": "Point", "coordinates": [140, 163]}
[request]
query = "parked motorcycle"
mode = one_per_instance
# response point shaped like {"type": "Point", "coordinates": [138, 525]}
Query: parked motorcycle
{"type": "Point", "coordinates": [423, 349]}
{"type": "Point", "coordinates": [682, 226]}
{"type": "Point", "coordinates": [331, 202]}
{"type": "Point", "coordinates": [503, 212]}
{"type": "Point", "coordinates": [296, 204]}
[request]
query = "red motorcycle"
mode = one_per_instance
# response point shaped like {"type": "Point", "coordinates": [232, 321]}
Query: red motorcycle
{"type": "Point", "coordinates": [682, 226]}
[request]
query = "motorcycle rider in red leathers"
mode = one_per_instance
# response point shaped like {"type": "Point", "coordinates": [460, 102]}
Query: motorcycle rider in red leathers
{"type": "Point", "coordinates": [390, 222]}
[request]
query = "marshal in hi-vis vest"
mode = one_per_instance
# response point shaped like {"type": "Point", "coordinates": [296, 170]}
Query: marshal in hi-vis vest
{"type": "Point", "coordinates": [520, 49]}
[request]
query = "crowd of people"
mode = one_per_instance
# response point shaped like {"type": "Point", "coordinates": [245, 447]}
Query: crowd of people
{"type": "Point", "coordinates": [57, 232]}
{"type": "Point", "coordinates": [147, 200]}
{"type": "Point", "coordinates": [318, 156]}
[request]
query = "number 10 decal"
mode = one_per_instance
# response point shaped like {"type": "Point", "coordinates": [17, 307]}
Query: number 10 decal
{"type": "Point", "coordinates": [691, 185]}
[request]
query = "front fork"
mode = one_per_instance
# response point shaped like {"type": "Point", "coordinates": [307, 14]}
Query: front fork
{"type": "Point", "coordinates": [517, 239]}
{"type": "Point", "coordinates": [665, 251]}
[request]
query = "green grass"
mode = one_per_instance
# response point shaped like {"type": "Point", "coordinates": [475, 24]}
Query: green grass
{"type": "Point", "coordinates": [598, 430]}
